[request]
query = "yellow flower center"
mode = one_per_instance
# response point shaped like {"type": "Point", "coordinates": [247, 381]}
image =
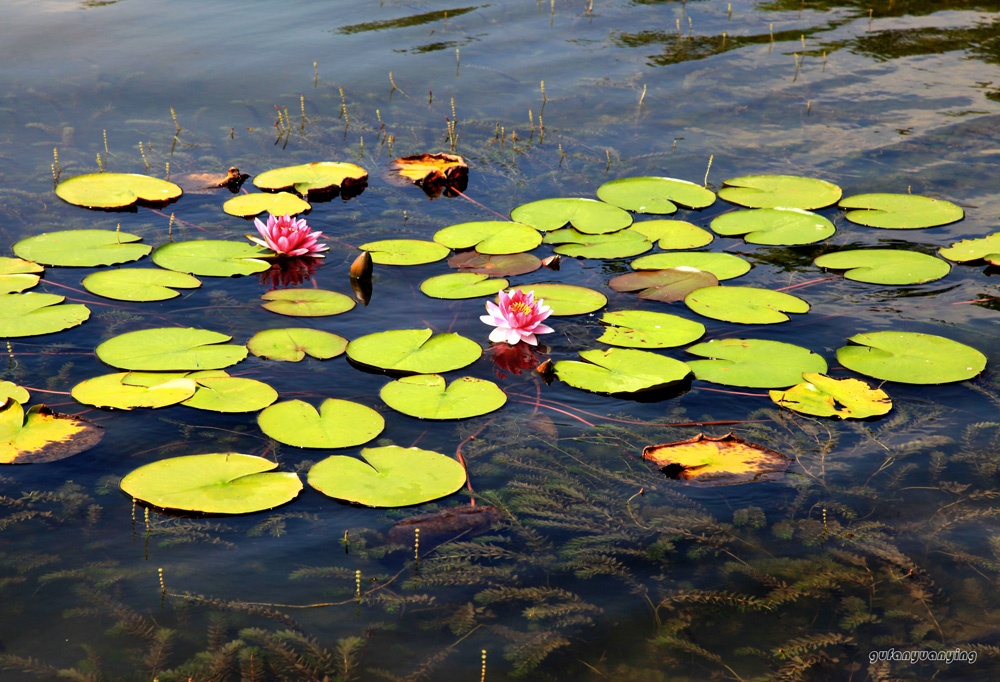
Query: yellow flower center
{"type": "Point", "coordinates": [520, 307]}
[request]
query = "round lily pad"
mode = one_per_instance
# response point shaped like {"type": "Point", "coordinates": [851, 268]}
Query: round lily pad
{"type": "Point", "coordinates": [722, 265]}
{"type": "Point", "coordinates": [169, 349]}
{"type": "Point", "coordinates": [823, 396]}
{"type": "Point", "coordinates": [31, 314]}
{"type": "Point", "coordinates": [319, 177]}
{"type": "Point", "coordinates": [567, 299]}
{"type": "Point", "coordinates": [586, 215]}
{"type": "Point", "coordinates": [116, 190]}
{"type": "Point", "coordinates": [307, 302]}
{"type": "Point", "coordinates": [41, 435]}
{"type": "Point", "coordinates": [212, 258]}
{"type": "Point", "coordinates": [621, 370]}
{"type": "Point", "coordinates": [673, 234]}
{"type": "Point", "coordinates": [655, 194]}
{"type": "Point", "coordinates": [279, 203]}
{"type": "Point", "coordinates": [490, 237]}
{"type": "Point", "coordinates": [911, 358]}
{"type": "Point", "coordinates": [405, 251]}
{"type": "Point", "coordinates": [155, 391]}
{"type": "Point", "coordinates": [772, 191]}
{"type": "Point", "coordinates": [744, 305]}
{"type": "Point", "coordinates": [885, 266]}
{"type": "Point", "coordinates": [458, 285]}
{"type": "Point", "coordinates": [17, 274]}
{"type": "Point", "coordinates": [215, 483]}
{"type": "Point", "coordinates": [753, 363]}
{"type": "Point", "coordinates": [337, 423]}
{"type": "Point", "coordinates": [414, 350]}
{"type": "Point", "coordinates": [503, 265]}
{"type": "Point", "coordinates": [426, 396]}
{"type": "Point", "coordinates": [985, 248]}
{"type": "Point", "coordinates": [900, 211]}
{"type": "Point", "coordinates": [669, 285]}
{"type": "Point", "coordinates": [216, 391]}
{"type": "Point", "coordinates": [774, 226]}
{"type": "Point", "coordinates": [139, 284]}
{"type": "Point", "coordinates": [646, 329]}
{"type": "Point", "coordinates": [576, 244]}
{"type": "Point", "coordinates": [292, 344]}
{"type": "Point", "coordinates": [389, 476]}
{"type": "Point", "coordinates": [82, 248]}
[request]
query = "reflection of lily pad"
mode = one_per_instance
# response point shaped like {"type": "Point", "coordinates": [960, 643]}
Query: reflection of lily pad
{"type": "Point", "coordinates": [745, 305]}
{"type": "Point", "coordinates": [985, 248]}
{"type": "Point", "coordinates": [319, 177]}
{"type": "Point", "coordinates": [170, 349]}
{"type": "Point", "coordinates": [753, 363]}
{"type": "Point", "coordinates": [900, 211]}
{"type": "Point", "coordinates": [82, 248]}
{"type": "Point", "coordinates": [885, 266]}
{"type": "Point", "coordinates": [654, 194]}
{"type": "Point", "coordinates": [911, 358]}
{"type": "Point", "coordinates": [41, 435]}
{"type": "Point", "coordinates": [458, 285]}
{"type": "Point", "coordinates": [586, 215]}
{"type": "Point", "coordinates": [673, 234]}
{"type": "Point", "coordinates": [32, 314]}
{"type": "Point", "coordinates": [490, 237]}
{"type": "Point", "coordinates": [212, 258]}
{"type": "Point", "coordinates": [337, 423]}
{"type": "Point", "coordinates": [772, 191]}
{"type": "Point", "coordinates": [722, 265]}
{"type": "Point", "coordinates": [17, 274]}
{"type": "Point", "coordinates": [279, 203]}
{"type": "Point", "coordinates": [774, 226]}
{"type": "Point", "coordinates": [622, 244]}
{"type": "Point", "coordinates": [426, 396]}
{"type": "Point", "coordinates": [621, 370]}
{"type": "Point", "coordinates": [414, 350]}
{"type": "Point", "coordinates": [109, 390]}
{"type": "Point", "coordinates": [116, 190]}
{"type": "Point", "coordinates": [667, 286]}
{"type": "Point", "coordinates": [822, 396]}
{"type": "Point", "coordinates": [567, 299]}
{"type": "Point", "coordinates": [292, 344]}
{"type": "Point", "coordinates": [139, 284]}
{"type": "Point", "coordinates": [307, 302]}
{"type": "Point", "coordinates": [646, 329]}
{"type": "Point", "coordinates": [405, 251]}
{"type": "Point", "coordinates": [723, 460]}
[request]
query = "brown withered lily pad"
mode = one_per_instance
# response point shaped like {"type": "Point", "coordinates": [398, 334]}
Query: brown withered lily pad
{"type": "Point", "coordinates": [504, 265]}
{"type": "Point", "coordinates": [208, 182]}
{"type": "Point", "coordinates": [446, 524]}
{"type": "Point", "coordinates": [40, 435]}
{"type": "Point", "coordinates": [669, 285]}
{"type": "Point", "coordinates": [434, 173]}
{"type": "Point", "coordinates": [713, 461]}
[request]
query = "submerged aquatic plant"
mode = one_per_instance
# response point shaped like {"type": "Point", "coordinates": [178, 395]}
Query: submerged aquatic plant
{"type": "Point", "coordinates": [518, 317]}
{"type": "Point", "coordinates": [288, 236]}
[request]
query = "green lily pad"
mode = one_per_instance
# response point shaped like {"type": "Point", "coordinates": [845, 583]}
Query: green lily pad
{"type": "Point", "coordinates": [744, 305]}
{"type": "Point", "coordinates": [911, 358]}
{"type": "Point", "coordinates": [152, 390]}
{"type": "Point", "coordinates": [722, 265]}
{"type": "Point", "coordinates": [425, 396]}
{"type": "Point", "coordinates": [139, 284]}
{"type": "Point", "coordinates": [8, 389]}
{"type": "Point", "coordinates": [566, 299]}
{"type": "Point", "coordinates": [212, 258]}
{"type": "Point", "coordinates": [645, 329]}
{"type": "Point", "coordinates": [216, 391]}
{"type": "Point", "coordinates": [774, 226]}
{"type": "Point", "coordinates": [985, 248]}
{"type": "Point", "coordinates": [621, 370]}
{"type": "Point", "coordinates": [673, 234]}
{"type": "Point", "coordinates": [576, 244]}
{"type": "Point", "coordinates": [822, 396]}
{"type": "Point", "coordinates": [655, 195]}
{"type": "Point", "coordinates": [279, 203]}
{"type": "Point", "coordinates": [773, 191]}
{"type": "Point", "coordinates": [116, 190]}
{"type": "Point", "coordinates": [502, 265]}
{"type": "Point", "coordinates": [405, 251]}
{"type": "Point", "coordinates": [337, 423]}
{"type": "Point", "coordinates": [885, 266]}
{"type": "Point", "coordinates": [307, 302]}
{"type": "Point", "coordinates": [41, 435]}
{"type": "Point", "coordinates": [390, 476]}
{"type": "Point", "coordinates": [414, 350]}
{"type": "Point", "coordinates": [458, 285]}
{"type": "Point", "coordinates": [586, 215]}
{"type": "Point", "coordinates": [292, 344]}
{"type": "Point", "coordinates": [900, 211]}
{"type": "Point", "coordinates": [318, 176]}
{"type": "Point", "coordinates": [753, 363]}
{"type": "Point", "coordinates": [82, 248]}
{"type": "Point", "coordinates": [31, 314]}
{"type": "Point", "coordinates": [490, 237]}
{"type": "Point", "coordinates": [17, 274]}
{"type": "Point", "coordinates": [169, 349]}
{"type": "Point", "coordinates": [215, 483]}
{"type": "Point", "coordinates": [664, 285]}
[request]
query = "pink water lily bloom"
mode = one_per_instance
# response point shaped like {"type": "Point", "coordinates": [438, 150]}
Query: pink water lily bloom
{"type": "Point", "coordinates": [288, 236]}
{"type": "Point", "coordinates": [518, 317]}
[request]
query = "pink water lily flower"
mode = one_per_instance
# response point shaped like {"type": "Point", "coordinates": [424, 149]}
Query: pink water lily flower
{"type": "Point", "coordinates": [288, 236]}
{"type": "Point", "coordinates": [517, 318]}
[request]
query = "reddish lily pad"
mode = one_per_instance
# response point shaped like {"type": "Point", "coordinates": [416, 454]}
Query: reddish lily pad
{"type": "Point", "coordinates": [667, 286]}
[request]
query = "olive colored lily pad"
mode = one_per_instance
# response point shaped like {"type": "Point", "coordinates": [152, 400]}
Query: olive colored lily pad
{"type": "Point", "coordinates": [985, 248]}
{"type": "Point", "coordinates": [900, 211]}
{"type": "Point", "coordinates": [655, 194]}
{"type": "Point", "coordinates": [292, 344]}
{"type": "Point", "coordinates": [170, 349]}
{"type": "Point", "coordinates": [216, 391]}
{"type": "Point", "coordinates": [215, 483]}
{"type": "Point", "coordinates": [714, 461]}
{"type": "Point", "coordinates": [722, 265]}
{"type": "Point", "coordinates": [622, 244]}
{"type": "Point", "coordinates": [773, 191]}
{"type": "Point", "coordinates": [405, 251]}
{"type": "Point", "coordinates": [426, 396]}
{"type": "Point", "coordinates": [885, 266]}
{"type": "Point", "coordinates": [82, 248]}
{"type": "Point", "coordinates": [32, 314]}
{"type": "Point", "coordinates": [459, 285]}
{"type": "Point", "coordinates": [774, 226]}
{"type": "Point", "coordinates": [586, 215]}
{"type": "Point", "coordinates": [646, 329]}
{"type": "Point", "coordinates": [116, 190]}
{"type": "Point", "coordinates": [139, 284]}
{"type": "Point", "coordinates": [621, 370]}
{"type": "Point", "coordinates": [41, 435]}
{"type": "Point", "coordinates": [318, 177]}
{"type": "Point", "coordinates": [505, 265]}
{"type": "Point", "coordinates": [8, 389]}
{"type": "Point", "coordinates": [337, 423]}
{"type": "Point", "coordinates": [279, 203]}
{"type": "Point", "coordinates": [911, 358]}
{"type": "Point", "coordinates": [307, 302]}
{"type": "Point", "coordinates": [753, 363]}
{"type": "Point", "coordinates": [567, 299]}
{"type": "Point", "coordinates": [667, 286]}
{"type": "Point", "coordinates": [17, 274]}
{"type": "Point", "coordinates": [153, 390]}
{"type": "Point", "coordinates": [212, 258]}
{"type": "Point", "coordinates": [418, 351]}
{"type": "Point", "coordinates": [389, 476]}
{"type": "Point", "coordinates": [822, 396]}
{"type": "Point", "coordinates": [673, 234]}
{"type": "Point", "coordinates": [490, 237]}
{"type": "Point", "coordinates": [745, 305]}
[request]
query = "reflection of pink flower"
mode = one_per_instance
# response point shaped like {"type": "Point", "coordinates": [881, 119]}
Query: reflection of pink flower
{"type": "Point", "coordinates": [514, 359]}
{"type": "Point", "coordinates": [517, 318]}
{"type": "Point", "coordinates": [288, 236]}
{"type": "Point", "coordinates": [289, 272]}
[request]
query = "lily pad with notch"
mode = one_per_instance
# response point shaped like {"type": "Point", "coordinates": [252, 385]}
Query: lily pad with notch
{"type": "Point", "coordinates": [405, 251]}
{"type": "Point", "coordinates": [505, 265]}
{"type": "Point", "coordinates": [170, 349]}
{"type": "Point", "coordinates": [566, 299]}
{"type": "Point", "coordinates": [621, 370]}
{"type": "Point", "coordinates": [318, 177]}
{"type": "Point", "coordinates": [575, 244]}
{"type": "Point", "coordinates": [672, 284]}
{"type": "Point", "coordinates": [774, 226]}
{"type": "Point", "coordinates": [772, 191]}
{"type": "Point", "coordinates": [647, 329]}
{"type": "Point", "coordinates": [217, 391]}
{"type": "Point", "coordinates": [719, 460]}
{"type": "Point", "coordinates": [745, 305]}
{"type": "Point", "coordinates": [307, 302]}
{"type": "Point", "coordinates": [911, 357]}
{"type": "Point", "coordinates": [212, 258]}
{"type": "Point", "coordinates": [885, 266]}
{"type": "Point", "coordinates": [8, 389]}
{"type": "Point", "coordinates": [17, 274]}
{"type": "Point", "coordinates": [985, 248]}
{"type": "Point", "coordinates": [415, 351]}
{"type": "Point", "coordinates": [151, 390]}
{"type": "Point", "coordinates": [337, 423]}
{"type": "Point", "coordinates": [33, 314]}
{"type": "Point", "coordinates": [722, 265]}
{"type": "Point", "coordinates": [110, 191]}
{"type": "Point", "coordinates": [41, 435]}
{"type": "Point", "coordinates": [460, 285]}
{"type": "Point", "coordinates": [490, 237]}
{"type": "Point", "coordinates": [82, 248]}
{"type": "Point", "coordinates": [426, 396]}
{"type": "Point", "coordinates": [586, 215]}
{"type": "Point", "coordinates": [649, 194]}
{"type": "Point", "coordinates": [673, 234]}
{"type": "Point", "coordinates": [277, 203]}
{"type": "Point", "coordinates": [900, 211]}
{"type": "Point", "coordinates": [292, 344]}
{"type": "Point", "coordinates": [823, 396]}
{"type": "Point", "coordinates": [139, 284]}
{"type": "Point", "coordinates": [753, 363]}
